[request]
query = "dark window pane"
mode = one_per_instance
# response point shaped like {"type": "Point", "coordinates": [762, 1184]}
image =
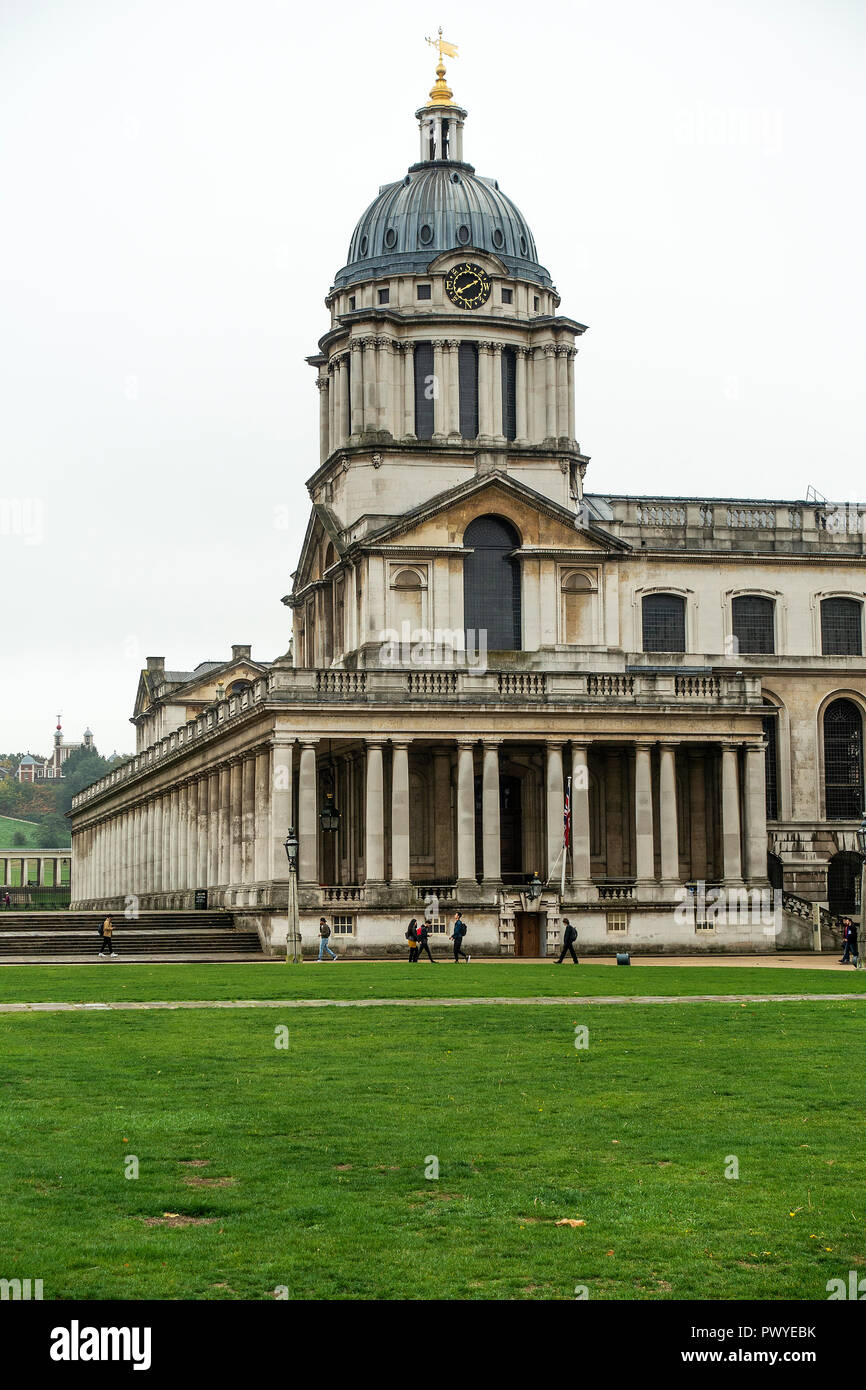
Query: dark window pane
{"type": "Point", "coordinates": [664, 623]}
{"type": "Point", "coordinates": [841, 627]}
{"type": "Point", "coordinates": [424, 390]}
{"type": "Point", "coordinates": [753, 623]}
{"type": "Point", "coordinates": [771, 766]}
{"type": "Point", "coordinates": [384, 296]}
{"type": "Point", "coordinates": [843, 879]}
{"type": "Point", "coordinates": [509, 377]}
{"type": "Point", "coordinates": [424, 291]}
{"type": "Point", "coordinates": [843, 761]}
{"type": "Point", "coordinates": [467, 373]}
{"type": "Point", "coordinates": [491, 583]}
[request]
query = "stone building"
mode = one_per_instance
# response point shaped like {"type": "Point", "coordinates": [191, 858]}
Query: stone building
{"type": "Point", "coordinates": [474, 632]}
{"type": "Point", "coordinates": [32, 769]}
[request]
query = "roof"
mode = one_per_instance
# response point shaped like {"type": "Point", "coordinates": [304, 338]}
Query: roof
{"type": "Point", "coordinates": [439, 206]}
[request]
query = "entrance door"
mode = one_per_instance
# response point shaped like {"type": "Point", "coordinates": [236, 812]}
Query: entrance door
{"type": "Point", "coordinates": [527, 934]}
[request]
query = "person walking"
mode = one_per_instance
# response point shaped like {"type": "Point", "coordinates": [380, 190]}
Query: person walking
{"type": "Point", "coordinates": [457, 936]}
{"type": "Point", "coordinates": [847, 928]}
{"type": "Point", "coordinates": [569, 936]}
{"type": "Point", "coordinates": [107, 935]}
{"type": "Point", "coordinates": [324, 934]}
{"type": "Point", "coordinates": [853, 948]}
{"type": "Point", "coordinates": [412, 938]}
{"type": "Point", "coordinates": [424, 942]}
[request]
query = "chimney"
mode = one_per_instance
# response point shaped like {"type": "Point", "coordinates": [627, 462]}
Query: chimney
{"type": "Point", "coordinates": [242, 651]}
{"type": "Point", "coordinates": [156, 664]}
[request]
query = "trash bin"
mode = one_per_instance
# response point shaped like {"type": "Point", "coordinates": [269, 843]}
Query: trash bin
{"type": "Point", "coordinates": [623, 958]}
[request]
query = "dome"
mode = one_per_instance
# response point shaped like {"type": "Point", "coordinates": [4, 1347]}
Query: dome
{"type": "Point", "coordinates": [439, 206]}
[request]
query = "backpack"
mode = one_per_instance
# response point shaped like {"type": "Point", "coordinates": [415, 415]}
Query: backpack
{"type": "Point", "coordinates": [460, 928]}
{"type": "Point", "coordinates": [570, 934]}
{"type": "Point", "coordinates": [324, 930]}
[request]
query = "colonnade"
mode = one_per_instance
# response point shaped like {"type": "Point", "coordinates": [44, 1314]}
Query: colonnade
{"type": "Point", "coordinates": [370, 386]}
{"type": "Point", "coordinates": [48, 869]}
{"type": "Point", "coordinates": [225, 826]}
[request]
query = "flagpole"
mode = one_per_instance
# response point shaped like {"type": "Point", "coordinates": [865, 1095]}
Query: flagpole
{"type": "Point", "coordinates": [565, 835]}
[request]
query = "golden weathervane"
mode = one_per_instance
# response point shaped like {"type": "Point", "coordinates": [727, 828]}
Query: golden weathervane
{"type": "Point", "coordinates": [440, 93]}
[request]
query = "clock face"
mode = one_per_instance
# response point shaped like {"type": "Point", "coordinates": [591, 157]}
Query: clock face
{"type": "Point", "coordinates": [467, 285]}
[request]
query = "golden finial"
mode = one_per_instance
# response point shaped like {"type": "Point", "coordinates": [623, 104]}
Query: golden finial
{"type": "Point", "coordinates": [440, 93]}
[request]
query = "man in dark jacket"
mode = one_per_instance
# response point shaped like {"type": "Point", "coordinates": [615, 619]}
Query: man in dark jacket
{"type": "Point", "coordinates": [423, 931]}
{"type": "Point", "coordinates": [847, 928]}
{"type": "Point", "coordinates": [457, 936]}
{"type": "Point", "coordinates": [569, 936]}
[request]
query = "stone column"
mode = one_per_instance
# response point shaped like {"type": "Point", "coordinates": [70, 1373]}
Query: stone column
{"type": "Point", "coordinates": [520, 395]}
{"type": "Point", "coordinates": [485, 391]}
{"type": "Point", "coordinates": [731, 856]}
{"type": "Point", "coordinates": [440, 388]}
{"type": "Point", "coordinates": [572, 353]}
{"type": "Point", "coordinates": [308, 816]}
{"type": "Point", "coordinates": [550, 391]}
{"type": "Point", "coordinates": [262, 871]}
{"type": "Point", "coordinates": [409, 390]}
{"type": "Point", "coordinates": [496, 383]}
{"type": "Point", "coordinates": [344, 423]}
{"type": "Point", "coordinates": [357, 387]}
{"type": "Point", "coordinates": [670, 847]}
{"type": "Point", "coordinates": [324, 417]}
{"type": "Point", "coordinates": [384, 361]}
{"type": "Point", "coordinates": [555, 808]}
{"type": "Point", "coordinates": [756, 814]}
{"type": "Point", "coordinates": [224, 827]}
{"type": "Point", "coordinates": [490, 829]}
{"type": "Point", "coordinates": [443, 834]}
{"type": "Point", "coordinates": [580, 842]}
{"type": "Point", "coordinates": [156, 864]}
{"type": "Point", "coordinates": [248, 819]}
{"type": "Point", "coordinates": [375, 816]}
{"type": "Point", "coordinates": [465, 813]}
{"type": "Point", "coordinates": [235, 813]}
{"type": "Point", "coordinates": [166, 842]}
{"type": "Point", "coordinates": [281, 771]}
{"type": "Point", "coordinates": [400, 813]}
{"type": "Point", "coordinates": [643, 815]}
{"type": "Point", "coordinates": [452, 418]}
{"type": "Point", "coordinates": [561, 391]}
{"type": "Point", "coordinates": [201, 830]}
{"type": "Point", "coordinates": [173, 840]}
{"type": "Point", "coordinates": [213, 832]}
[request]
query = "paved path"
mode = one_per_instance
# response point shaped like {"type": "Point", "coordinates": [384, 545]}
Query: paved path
{"type": "Point", "coordinates": [571, 999]}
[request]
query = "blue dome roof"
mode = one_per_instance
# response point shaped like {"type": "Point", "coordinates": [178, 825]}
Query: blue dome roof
{"type": "Point", "coordinates": [438, 207]}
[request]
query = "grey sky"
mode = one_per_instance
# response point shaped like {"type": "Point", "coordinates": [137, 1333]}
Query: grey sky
{"type": "Point", "coordinates": [180, 181]}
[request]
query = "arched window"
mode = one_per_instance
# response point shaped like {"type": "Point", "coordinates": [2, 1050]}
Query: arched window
{"type": "Point", "coordinates": [771, 760]}
{"type": "Point", "coordinates": [664, 623]}
{"type": "Point", "coordinates": [843, 760]}
{"type": "Point", "coordinates": [238, 687]}
{"type": "Point", "coordinates": [578, 597]}
{"type": "Point", "coordinates": [843, 877]}
{"type": "Point", "coordinates": [753, 623]}
{"type": "Point", "coordinates": [841, 627]}
{"type": "Point", "coordinates": [491, 583]}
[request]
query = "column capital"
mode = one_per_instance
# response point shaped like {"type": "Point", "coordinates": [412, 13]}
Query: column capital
{"type": "Point", "coordinates": [669, 742]}
{"type": "Point", "coordinates": [492, 742]}
{"type": "Point", "coordinates": [401, 742]}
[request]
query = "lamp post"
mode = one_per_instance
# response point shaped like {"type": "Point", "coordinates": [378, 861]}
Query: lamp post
{"type": "Point", "coordinates": [861, 845]}
{"type": "Point", "coordinates": [293, 928]}
{"type": "Point", "coordinates": [536, 887]}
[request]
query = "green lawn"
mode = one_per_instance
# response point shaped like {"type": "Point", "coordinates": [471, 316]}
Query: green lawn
{"type": "Point", "coordinates": [397, 980]}
{"type": "Point", "coordinates": [308, 1164]}
{"type": "Point", "coordinates": [9, 827]}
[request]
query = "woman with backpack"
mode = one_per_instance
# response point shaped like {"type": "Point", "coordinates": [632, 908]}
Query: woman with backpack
{"type": "Point", "coordinates": [412, 938]}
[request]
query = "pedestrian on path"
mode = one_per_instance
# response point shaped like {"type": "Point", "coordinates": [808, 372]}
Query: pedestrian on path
{"type": "Point", "coordinates": [412, 938]}
{"type": "Point", "coordinates": [853, 944]}
{"type": "Point", "coordinates": [424, 942]}
{"type": "Point", "coordinates": [324, 934]}
{"type": "Point", "coordinates": [847, 929]}
{"type": "Point", "coordinates": [457, 936]}
{"type": "Point", "coordinates": [569, 936]}
{"type": "Point", "coordinates": [107, 935]}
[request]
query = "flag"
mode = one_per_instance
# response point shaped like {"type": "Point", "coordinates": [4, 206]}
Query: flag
{"type": "Point", "coordinates": [449, 48]}
{"type": "Point", "coordinates": [566, 817]}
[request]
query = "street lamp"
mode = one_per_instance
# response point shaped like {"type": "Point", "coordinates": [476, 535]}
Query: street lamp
{"type": "Point", "coordinates": [329, 815]}
{"type": "Point", "coordinates": [861, 845]}
{"type": "Point", "coordinates": [536, 887]}
{"type": "Point", "coordinates": [293, 927]}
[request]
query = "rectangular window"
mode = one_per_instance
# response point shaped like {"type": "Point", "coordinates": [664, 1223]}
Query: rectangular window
{"type": "Point", "coordinates": [438, 925]}
{"type": "Point", "coordinates": [753, 623]}
{"type": "Point", "coordinates": [344, 924]}
{"type": "Point", "coordinates": [664, 623]}
{"type": "Point", "coordinates": [351, 302]}
{"type": "Point", "coordinates": [509, 393]}
{"type": "Point", "coordinates": [424, 388]}
{"type": "Point", "coordinates": [535, 303]}
{"type": "Point", "coordinates": [425, 291]}
{"type": "Point", "coordinates": [617, 921]}
{"type": "Point", "coordinates": [507, 296]}
{"type": "Point", "coordinates": [384, 296]}
{"type": "Point", "coordinates": [771, 764]}
{"type": "Point", "coordinates": [841, 627]}
{"type": "Point", "coordinates": [467, 374]}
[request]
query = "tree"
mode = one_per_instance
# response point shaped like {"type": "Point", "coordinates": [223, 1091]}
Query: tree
{"type": "Point", "coordinates": [82, 768]}
{"type": "Point", "coordinates": [54, 832]}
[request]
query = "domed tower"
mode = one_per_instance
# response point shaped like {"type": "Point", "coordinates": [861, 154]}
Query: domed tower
{"type": "Point", "coordinates": [446, 358]}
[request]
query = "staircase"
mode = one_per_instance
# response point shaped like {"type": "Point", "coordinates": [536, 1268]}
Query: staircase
{"type": "Point", "coordinates": [74, 936]}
